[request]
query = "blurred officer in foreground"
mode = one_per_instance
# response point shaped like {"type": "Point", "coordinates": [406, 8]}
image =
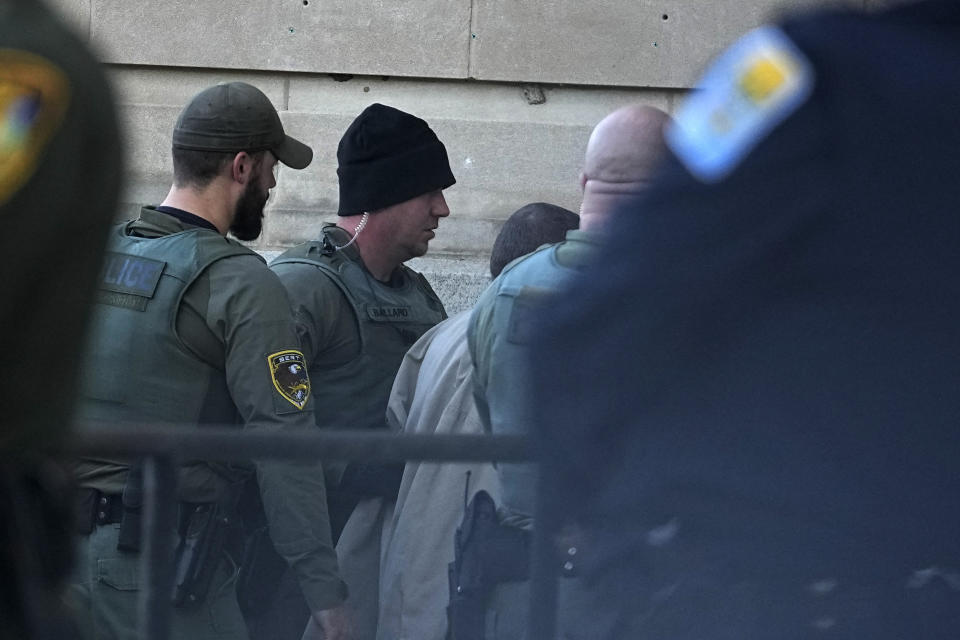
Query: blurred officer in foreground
{"type": "Point", "coordinates": [622, 154]}
{"type": "Point", "coordinates": [59, 179]}
{"type": "Point", "coordinates": [193, 328]}
{"type": "Point", "coordinates": [433, 394]}
{"type": "Point", "coordinates": [359, 309]}
{"type": "Point", "coordinates": [752, 408]}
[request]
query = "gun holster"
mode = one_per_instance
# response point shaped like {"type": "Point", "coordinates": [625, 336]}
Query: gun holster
{"type": "Point", "coordinates": [204, 532]}
{"type": "Point", "coordinates": [486, 553]}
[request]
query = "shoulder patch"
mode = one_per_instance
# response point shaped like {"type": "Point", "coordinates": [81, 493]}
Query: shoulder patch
{"type": "Point", "coordinates": [751, 88]}
{"type": "Point", "coordinates": [34, 94]}
{"type": "Point", "coordinates": [288, 370]}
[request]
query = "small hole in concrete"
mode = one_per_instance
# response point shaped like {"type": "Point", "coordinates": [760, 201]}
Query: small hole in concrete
{"type": "Point", "coordinates": [366, 89]}
{"type": "Point", "coordinates": [664, 16]}
{"type": "Point", "coordinates": [306, 2]}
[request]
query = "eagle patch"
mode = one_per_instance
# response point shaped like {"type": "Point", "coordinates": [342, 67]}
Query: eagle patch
{"type": "Point", "coordinates": [288, 370]}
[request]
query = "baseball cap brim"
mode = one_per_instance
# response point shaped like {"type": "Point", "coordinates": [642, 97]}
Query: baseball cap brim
{"type": "Point", "coordinates": [293, 153]}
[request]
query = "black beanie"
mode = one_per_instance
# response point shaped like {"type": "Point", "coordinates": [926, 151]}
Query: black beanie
{"type": "Point", "coordinates": [386, 157]}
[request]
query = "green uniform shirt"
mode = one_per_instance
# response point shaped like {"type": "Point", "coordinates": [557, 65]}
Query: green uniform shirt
{"type": "Point", "coordinates": [234, 315]}
{"type": "Point", "coordinates": [498, 337]}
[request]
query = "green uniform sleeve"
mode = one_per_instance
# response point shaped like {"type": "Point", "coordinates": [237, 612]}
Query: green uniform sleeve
{"type": "Point", "coordinates": [249, 310]}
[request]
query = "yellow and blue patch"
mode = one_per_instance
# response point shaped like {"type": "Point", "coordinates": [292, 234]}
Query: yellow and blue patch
{"type": "Point", "coordinates": [750, 89]}
{"type": "Point", "coordinates": [34, 94]}
{"type": "Point", "coordinates": [288, 370]}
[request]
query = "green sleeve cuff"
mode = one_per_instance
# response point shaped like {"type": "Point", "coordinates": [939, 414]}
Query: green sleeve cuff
{"type": "Point", "coordinates": [321, 589]}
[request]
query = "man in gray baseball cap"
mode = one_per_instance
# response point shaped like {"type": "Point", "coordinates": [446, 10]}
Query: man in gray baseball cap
{"type": "Point", "coordinates": [237, 116]}
{"type": "Point", "coordinates": [191, 327]}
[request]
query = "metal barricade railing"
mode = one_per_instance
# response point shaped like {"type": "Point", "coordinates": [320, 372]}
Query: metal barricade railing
{"type": "Point", "coordinates": [163, 445]}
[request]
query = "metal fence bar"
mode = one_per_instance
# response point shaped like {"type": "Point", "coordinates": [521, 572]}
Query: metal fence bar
{"type": "Point", "coordinates": [543, 571]}
{"type": "Point", "coordinates": [232, 444]}
{"type": "Point", "coordinates": [156, 554]}
{"type": "Point", "coordinates": [162, 444]}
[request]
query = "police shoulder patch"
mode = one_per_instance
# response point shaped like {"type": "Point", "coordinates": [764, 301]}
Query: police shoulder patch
{"type": "Point", "coordinates": [34, 94]}
{"type": "Point", "coordinates": [750, 89]}
{"type": "Point", "coordinates": [288, 370]}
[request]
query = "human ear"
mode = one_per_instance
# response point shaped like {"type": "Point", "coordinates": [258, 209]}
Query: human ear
{"type": "Point", "coordinates": [241, 167]}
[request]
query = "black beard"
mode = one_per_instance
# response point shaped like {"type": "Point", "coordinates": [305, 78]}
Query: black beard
{"type": "Point", "coordinates": [248, 214]}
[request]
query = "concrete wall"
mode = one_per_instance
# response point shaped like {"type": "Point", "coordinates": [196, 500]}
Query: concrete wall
{"type": "Point", "coordinates": [513, 88]}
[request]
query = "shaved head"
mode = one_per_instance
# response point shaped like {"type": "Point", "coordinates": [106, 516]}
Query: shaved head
{"type": "Point", "coordinates": [626, 146]}
{"type": "Point", "coordinates": [623, 152]}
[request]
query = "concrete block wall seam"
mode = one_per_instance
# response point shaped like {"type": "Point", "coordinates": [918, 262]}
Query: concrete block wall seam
{"type": "Point", "coordinates": [482, 100]}
{"type": "Point", "coordinates": [636, 43]}
{"type": "Point", "coordinates": [336, 36]}
{"type": "Point", "coordinates": [472, 40]}
{"type": "Point", "coordinates": [639, 43]}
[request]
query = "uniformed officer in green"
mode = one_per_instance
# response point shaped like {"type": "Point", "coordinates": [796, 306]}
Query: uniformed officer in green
{"type": "Point", "coordinates": [623, 154]}
{"type": "Point", "coordinates": [192, 328]}
{"type": "Point", "coordinates": [60, 167]}
{"type": "Point", "coordinates": [358, 307]}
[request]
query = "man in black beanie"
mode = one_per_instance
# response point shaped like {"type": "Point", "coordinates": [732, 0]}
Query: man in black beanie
{"type": "Point", "coordinates": [358, 307]}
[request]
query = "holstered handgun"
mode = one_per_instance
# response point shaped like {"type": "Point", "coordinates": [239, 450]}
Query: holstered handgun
{"type": "Point", "coordinates": [486, 553]}
{"type": "Point", "coordinates": [205, 530]}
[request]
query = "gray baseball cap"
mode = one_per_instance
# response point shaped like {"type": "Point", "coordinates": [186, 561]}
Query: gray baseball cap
{"type": "Point", "coordinates": [237, 116]}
